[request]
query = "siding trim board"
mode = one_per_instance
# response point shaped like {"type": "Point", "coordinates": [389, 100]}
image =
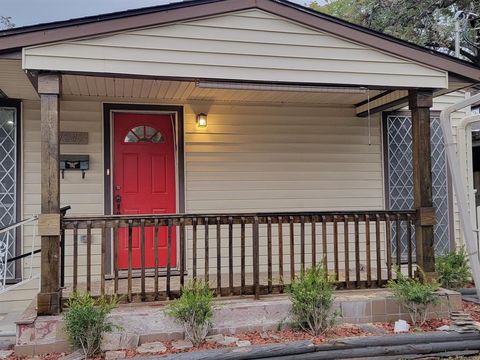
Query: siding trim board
{"type": "Point", "coordinates": [108, 110]}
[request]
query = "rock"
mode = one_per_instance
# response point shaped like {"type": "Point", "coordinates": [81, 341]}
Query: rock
{"type": "Point", "coordinates": [372, 329]}
{"type": "Point", "coordinates": [444, 328]}
{"type": "Point", "coordinates": [76, 355]}
{"type": "Point", "coordinates": [243, 343]}
{"type": "Point", "coordinates": [152, 348]}
{"type": "Point", "coordinates": [114, 355]}
{"type": "Point", "coordinates": [119, 341]}
{"type": "Point", "coordinates": [275, 337]}
{"type": "Point", "coordinates": [401, 326]}
{"type": "Point", "coordinates": [214, 338]}
{"type": "Point", "coordinates": [264, 335]}
{"type": "Point", "coordinates": [5, 353]}
{"type": "Point", "coordinates": [228, 340]}
{"type": "Point", "coordinates": [182, 344]}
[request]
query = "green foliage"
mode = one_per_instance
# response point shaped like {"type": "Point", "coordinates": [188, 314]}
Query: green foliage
{"type": "Point", "coordinates": [194, 310]}
{"type": "Point", "coordinates": [312, 301]}
{"type": "Point", "coordinates": [415, 296]}
{"type": "Point", "coordinates": [428, 23]}
{"type": "Point", "coordinates": [453, 270]}
{"type": "Point", "coordinates": [86, 320]}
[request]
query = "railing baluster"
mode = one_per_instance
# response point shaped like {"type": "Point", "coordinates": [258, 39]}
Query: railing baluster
{"type": "Point", "coordinates": [378, 251]}
{"type": "Point", "coordinates": [116, 229]}
{"type": "Point", "coordinates": [130, 249]}
{"type": "Point", "coordinates": [142, 257]}
{"type": "Point", "coordinates": [280, 251]}
{"type": "Point", "coordinates": [357, 251]}
{"type": "Point", "coordinates": [409, 245]}
{"type": "Point", "coordinates": [324, 244]}
{"type": "Point", "coordinates": [269, 254]}
{"type": "Point", "coordinates": [347, 250]}
{"type": "Point", "coordinates": [302, 243]}
{"type": "Point", "coordinates": [169, 257]}
{"type": "Point", "coordinates": [368, 250]}
{"type": "Point", "coordinates": [89, 256]}
{"type": "Point", "coordinates": [207, 255]}
{"type": "Point", "coordinates": [219, 258]}
{"type": "Point", "coordinates": [155, 257]}
{"type": "Point", "coordinates": [242, 256]}
{"type": "Point", "coordinates": [292, 249]}
{"type": "Point", "coordinates": [230, 255]}
{"type": "Point", "coordinates": [194, 245]}
{"type": "Point", "coordinates": [335, 248]}
{"type": "Point", "coordinates": [398, 243]}
{"type": "Point", "coordinates": [256, 259]}
{"type": "Point", "coordinates": [182, 252]}
{"type": "Point", "coordinates": [314, 242]}
{"type": "Point", "coordinates": [75, 255]}
{"type": "Point", "coordinates": [102, 258]}
{"type": "Point", "coordinates": [388, 246]}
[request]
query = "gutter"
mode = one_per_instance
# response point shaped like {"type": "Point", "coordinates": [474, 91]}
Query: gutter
{"type": "Point", "coordinates": [456, 174]}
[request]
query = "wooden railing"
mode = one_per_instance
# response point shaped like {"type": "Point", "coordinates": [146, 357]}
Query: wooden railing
{"type": "Point", "coordinates": [238, 254]}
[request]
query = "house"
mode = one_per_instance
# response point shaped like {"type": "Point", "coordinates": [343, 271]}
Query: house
{"type": "Point", "coordinates": [235, 141]}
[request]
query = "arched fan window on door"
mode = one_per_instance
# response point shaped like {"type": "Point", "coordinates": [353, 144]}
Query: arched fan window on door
{"type": "Point", "coordinates": [144, 134]}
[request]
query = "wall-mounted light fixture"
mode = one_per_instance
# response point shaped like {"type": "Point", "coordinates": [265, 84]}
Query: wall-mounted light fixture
{"type": "Point", "coordinates": [202, 120]}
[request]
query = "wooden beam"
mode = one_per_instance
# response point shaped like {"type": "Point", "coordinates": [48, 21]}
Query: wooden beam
{"type": "Point", "coordinates": [49, 298]}
{"type": "Point", "coordinates": [382, 102]}
{"type": "Point", "coordinates": [420, 103]}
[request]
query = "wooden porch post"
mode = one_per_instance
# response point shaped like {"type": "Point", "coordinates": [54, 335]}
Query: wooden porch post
{"type": "Point", "coordinates": [420, 102]}
{"type": "Point", "coordinates": [48, 302]}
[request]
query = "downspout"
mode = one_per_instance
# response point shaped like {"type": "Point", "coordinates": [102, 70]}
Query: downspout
{"type": "Point", "coordinates": [456, 175]}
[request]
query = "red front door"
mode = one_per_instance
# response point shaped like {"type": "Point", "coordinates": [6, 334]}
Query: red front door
{"type": "Point", "coordinates": [144, 181]}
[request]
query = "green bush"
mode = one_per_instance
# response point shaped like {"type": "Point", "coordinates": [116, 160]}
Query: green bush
{"type": "Point", "coordinates": [312, 301]}
{"type": "Point", "coordinates": [453, 270]}
{"type": "Point", "coordinates": [86, 321]}
{"type": "Point", "coordinates": [194, 310]}
{"type": "Point", "coordinates": [415, 296]}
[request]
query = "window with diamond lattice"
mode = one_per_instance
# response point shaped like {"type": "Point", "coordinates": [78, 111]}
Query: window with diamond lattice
{"type": "Point", "coordinates": [400, 178]}
{"type": "Point", "coordinates": [8, 179]}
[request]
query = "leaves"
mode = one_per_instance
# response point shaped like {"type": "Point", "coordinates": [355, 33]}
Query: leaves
{"type": "Point", "coordinates": [6, 22]}
{"type": "Point", "coordinates": [453, 270]}
{"type": "Point", "coordinates": [86, 320]}
{"type": "Point", "coordinates": [194, 310]}
{"type": "Point", "coordinates": [312, 300]}
{"type": "Point", "coordinates": [429, 23]}
{"type": "Point", "coordinates": [414, 295]}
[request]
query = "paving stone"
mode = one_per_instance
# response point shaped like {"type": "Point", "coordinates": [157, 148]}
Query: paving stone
{"type": "Point", "coordinates": [5, 354]}
{"type": "Point", "coordinates": [243, 343]}
{"type": "Point", "coordinates": [228, 340]}
{"type": "Point", "coordinates": [214, 338]}
{"type": "Point", "coordinates": [76, 355]}
{"type": "Point", "coordinates": [182, 344]}
{"type": "Point", "coordinates": [152, 348]}
{"type": "Point", "coordinates": [114, 355]}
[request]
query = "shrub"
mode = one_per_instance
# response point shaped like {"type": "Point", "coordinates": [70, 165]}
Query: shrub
{"type": "Point", "coordinates": [312, 300]}
{"type": "Point", "coordinates": [194, 310]}
{"type": "Point", "coordinates": [453, 270]}
{"type": "Point", "coordinates": [86, 320]}
{"type": "Point", "coordinates": [415, 296]}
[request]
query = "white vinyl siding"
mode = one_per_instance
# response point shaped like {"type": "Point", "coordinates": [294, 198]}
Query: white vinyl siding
{"type": "Point", "coordinates": [250, 45]}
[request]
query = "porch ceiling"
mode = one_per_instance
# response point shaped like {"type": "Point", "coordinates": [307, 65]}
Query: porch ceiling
{"type": "Point", "coordinates": [187, 91]}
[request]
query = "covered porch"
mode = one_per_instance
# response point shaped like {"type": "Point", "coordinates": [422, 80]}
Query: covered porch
{"type": "Point", "coordinates": [261, 125]}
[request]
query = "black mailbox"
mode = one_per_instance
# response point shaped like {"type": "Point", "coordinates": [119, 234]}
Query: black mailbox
{"type": "Point", "coordinates": [74, 162]}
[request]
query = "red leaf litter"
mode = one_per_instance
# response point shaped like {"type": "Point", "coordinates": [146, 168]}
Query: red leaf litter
{"type": "Point", "coordinates": [289, 335]}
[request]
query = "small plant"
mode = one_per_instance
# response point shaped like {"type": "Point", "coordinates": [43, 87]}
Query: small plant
{"type": "Point", "coordinates": [415, 296]}
{"type": "Point", "coordinates": [453, 270]}
{"type": "Point", "coordinates": [194, 310]}
{"type": "Point", "coordinates": [312, 301]}
{"type": "Point", "coordinates": [86, 321]}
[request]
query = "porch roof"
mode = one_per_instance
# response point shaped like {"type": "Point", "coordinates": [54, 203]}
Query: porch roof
{"type": "Point", "coordinates": [20, 38]}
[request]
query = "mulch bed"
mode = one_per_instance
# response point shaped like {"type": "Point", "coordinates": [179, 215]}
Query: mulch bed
{"type": "Point", "coordinates": [288, 335]}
